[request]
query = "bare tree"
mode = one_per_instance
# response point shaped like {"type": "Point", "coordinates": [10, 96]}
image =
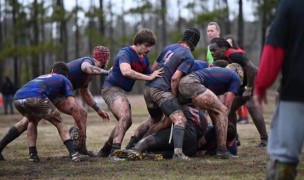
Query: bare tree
{"type": "Point", "coordinates": [241, 25]}
{"type": "Point", "coordinates": [164, 22]}
{"type": "Point", "coordinates": [35, 40]}
{"type": "Point", "coordinates": [77, 35]}
{"type": "Point", "coordinates": [63, 39]}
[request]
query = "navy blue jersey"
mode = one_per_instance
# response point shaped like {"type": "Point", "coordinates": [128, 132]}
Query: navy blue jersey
{"type": "Point", "coordinates": [127, 55]}
{"type": "Point", "coordinates": [219, 80]}
{"type": "Point", "coordinates": [78, 78]}
{"type": "Point", "coordinates": [46, 86]}
{"type": "Point", "coordinates": [196, 119]}
{"type": "Point", "coordinates": [198, 64]}
{"type": "Point", "coordinates": [173, 57]}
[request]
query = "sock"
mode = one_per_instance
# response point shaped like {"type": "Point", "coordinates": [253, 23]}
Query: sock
{"type": "Point", "coordinates": [12, 134]}
{"type": "Point", "coordinates": [132, 142]}
{"type": "Point", "coordinates": [178, 136]}
{"type": "Point", "coordinates": [32, 150]}
{"type": "Point", "coordinates": [70, 146]}
{"type": "Point", "coordinates": [115, 146]}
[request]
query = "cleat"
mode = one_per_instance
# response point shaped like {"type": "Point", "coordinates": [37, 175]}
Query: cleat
{"type": "Point", "coordinates": [130, 155]}
{"type": "Point", "coordinates": [76, 157]}
{"type": "Point", "coordinates": [180, 157]}
{"type": "Point", "coordinates": [34, 158]}
{"type": "Point", "coordinates": [262, 144]}
{"type": "Point", "coordinates": [224, 154]}
{"type": "Point", "coordinates": [154, 157]}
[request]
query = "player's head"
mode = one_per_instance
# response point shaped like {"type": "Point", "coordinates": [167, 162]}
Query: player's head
{"type": "Point", "coordinates": [238, 69]}
{"type": "Point", "coordinates": [191, 37]}
{"type": "Point", "coordinates": [144, 36]}
{"type": "Point", "coordinates": [101, 54]}
{"type": "Point", "coordinates": [218, 47]}
{"type": "Point", "coordinates": [60, 68]}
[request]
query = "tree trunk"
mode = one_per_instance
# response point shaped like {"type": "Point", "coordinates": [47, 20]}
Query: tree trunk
{"type": "Point", "coordinates": [35, 55]}
{"type": "Point", "coordinates": [77, 36]}
{"type": "Point", "coordinates": [164, 22]}
{"type": "Point", "coordinates": [15, 41]}
{"type": "Point", "coordinates": [241, 25]}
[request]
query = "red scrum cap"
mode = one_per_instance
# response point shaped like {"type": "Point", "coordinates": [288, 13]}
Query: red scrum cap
{"type": "Point", "coordinates": [101, 54]}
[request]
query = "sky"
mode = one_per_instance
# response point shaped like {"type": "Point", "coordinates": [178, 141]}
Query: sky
{"type": "Point", "coordinates": [248, 7]}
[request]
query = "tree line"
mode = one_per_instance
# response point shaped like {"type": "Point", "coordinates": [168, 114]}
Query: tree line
{"type": "Point", "coordinates": [36, 33]}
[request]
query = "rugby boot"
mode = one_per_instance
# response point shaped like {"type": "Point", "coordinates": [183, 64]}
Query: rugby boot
{"type": "Point", "coordinates": [180, 157]}
{"type": "Point", "coordinates": [262, 144]}
{"type": "Point", "coordinates": [280, 171]}
{"type": "Point", "coordinates": [34, 158]}
{"type": "Point", "coordinates": [155, 157]}
{"type": "Point", "coordinates": [76, 157]}
{"type": "Point", "coordinates": [224, 154]}
{"type": "Point", "coordinates": [127, 154]}
{"type": "Point", "coordinates": [83, 150]}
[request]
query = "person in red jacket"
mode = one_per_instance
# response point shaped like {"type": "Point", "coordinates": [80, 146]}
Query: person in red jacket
{"type": "Point", "coordinates": [284, 51]}
{"type": "Point", "coordinates": [222, 50]}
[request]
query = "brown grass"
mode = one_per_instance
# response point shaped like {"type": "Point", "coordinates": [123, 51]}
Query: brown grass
{"type": "Point", "coordinates": [56, 165]}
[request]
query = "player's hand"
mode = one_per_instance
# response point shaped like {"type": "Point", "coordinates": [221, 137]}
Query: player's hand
{"type": "Point", "coordinates": [104, 115]}
{"type": "Point", "coordinates": [247, 94]}
{"type": "Point", "coordinates": [157, 73]}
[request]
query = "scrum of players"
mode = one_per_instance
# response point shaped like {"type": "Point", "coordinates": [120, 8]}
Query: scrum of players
{"type": "Point", "coordinates": [180, 93]}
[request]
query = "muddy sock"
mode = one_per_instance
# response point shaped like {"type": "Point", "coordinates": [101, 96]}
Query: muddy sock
{"type": "Point", "coordinates": [132, 142]}
{"type": "Point", "coordinates": [70, 146]}
{"type": "Point", "coordinates": [178, 136]}
{"type": "Point", "coordinates": [12, 134]}
{"type": "Point", "coordinates": [32, 150]}
{"type": "Point", "coordinates": [115, 146]}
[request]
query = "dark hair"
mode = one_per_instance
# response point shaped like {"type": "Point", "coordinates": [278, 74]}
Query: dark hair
{"type": "Point", "coordinates": [234, 42]}
{"type": "Point", "coordinates": [221, 42]}
{"type": "Point", "coordinates": [60, 68]}
{"type": "Point", "coordinates": [191, 37]}
{"type": "Point", "coordinates": [145, 36]}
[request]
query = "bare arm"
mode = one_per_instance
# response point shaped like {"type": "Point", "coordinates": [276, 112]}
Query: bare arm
{"type": "Point", "coordinates": [127, 71]}
{"type": "Point", "coordinates": [175, 81]}
{"type": "Point", "coordinates": [88, 98]}
{"type": "Point", "coordinates": [90, 69]}
{"type": "Point", "coordinates": [251, 72]}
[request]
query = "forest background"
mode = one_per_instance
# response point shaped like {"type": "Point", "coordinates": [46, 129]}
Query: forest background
{"type": "Point", "coordinates": [36, 33]}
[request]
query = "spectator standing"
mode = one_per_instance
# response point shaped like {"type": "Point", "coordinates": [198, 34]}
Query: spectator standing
{"type": "Point", "coordinates": [284, 51]}
{"type": "Point", "coordinates": [8, 91]}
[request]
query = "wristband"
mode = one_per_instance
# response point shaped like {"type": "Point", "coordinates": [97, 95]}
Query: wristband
{"type": "Point", "coordinates": [96, 107]}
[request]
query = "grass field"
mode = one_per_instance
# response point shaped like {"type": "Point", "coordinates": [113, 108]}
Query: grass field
{"type": "Point", "coordinates": [56, 165]}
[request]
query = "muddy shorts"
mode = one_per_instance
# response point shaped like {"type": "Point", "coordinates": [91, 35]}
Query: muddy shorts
{"type": "Point", "coordinates": [159, 102]}
{"type": "Point", "coordinates": [37, 108]}
{"type": "Point", "coordinates": [58, 99]}
{"type": "Point", "coordinates": [190, 86]}
{"type": "Point", "coordinates": [110, 94]}
{"type": "Point", "coordinates": [155, 97]}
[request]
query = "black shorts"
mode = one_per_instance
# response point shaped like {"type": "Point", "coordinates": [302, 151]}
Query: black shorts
{"type": "Point", "coordinates": [162, 142]}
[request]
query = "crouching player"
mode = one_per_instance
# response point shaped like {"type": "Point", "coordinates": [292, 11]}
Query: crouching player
{"type": "Point", "coordinates": [33, 102]}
